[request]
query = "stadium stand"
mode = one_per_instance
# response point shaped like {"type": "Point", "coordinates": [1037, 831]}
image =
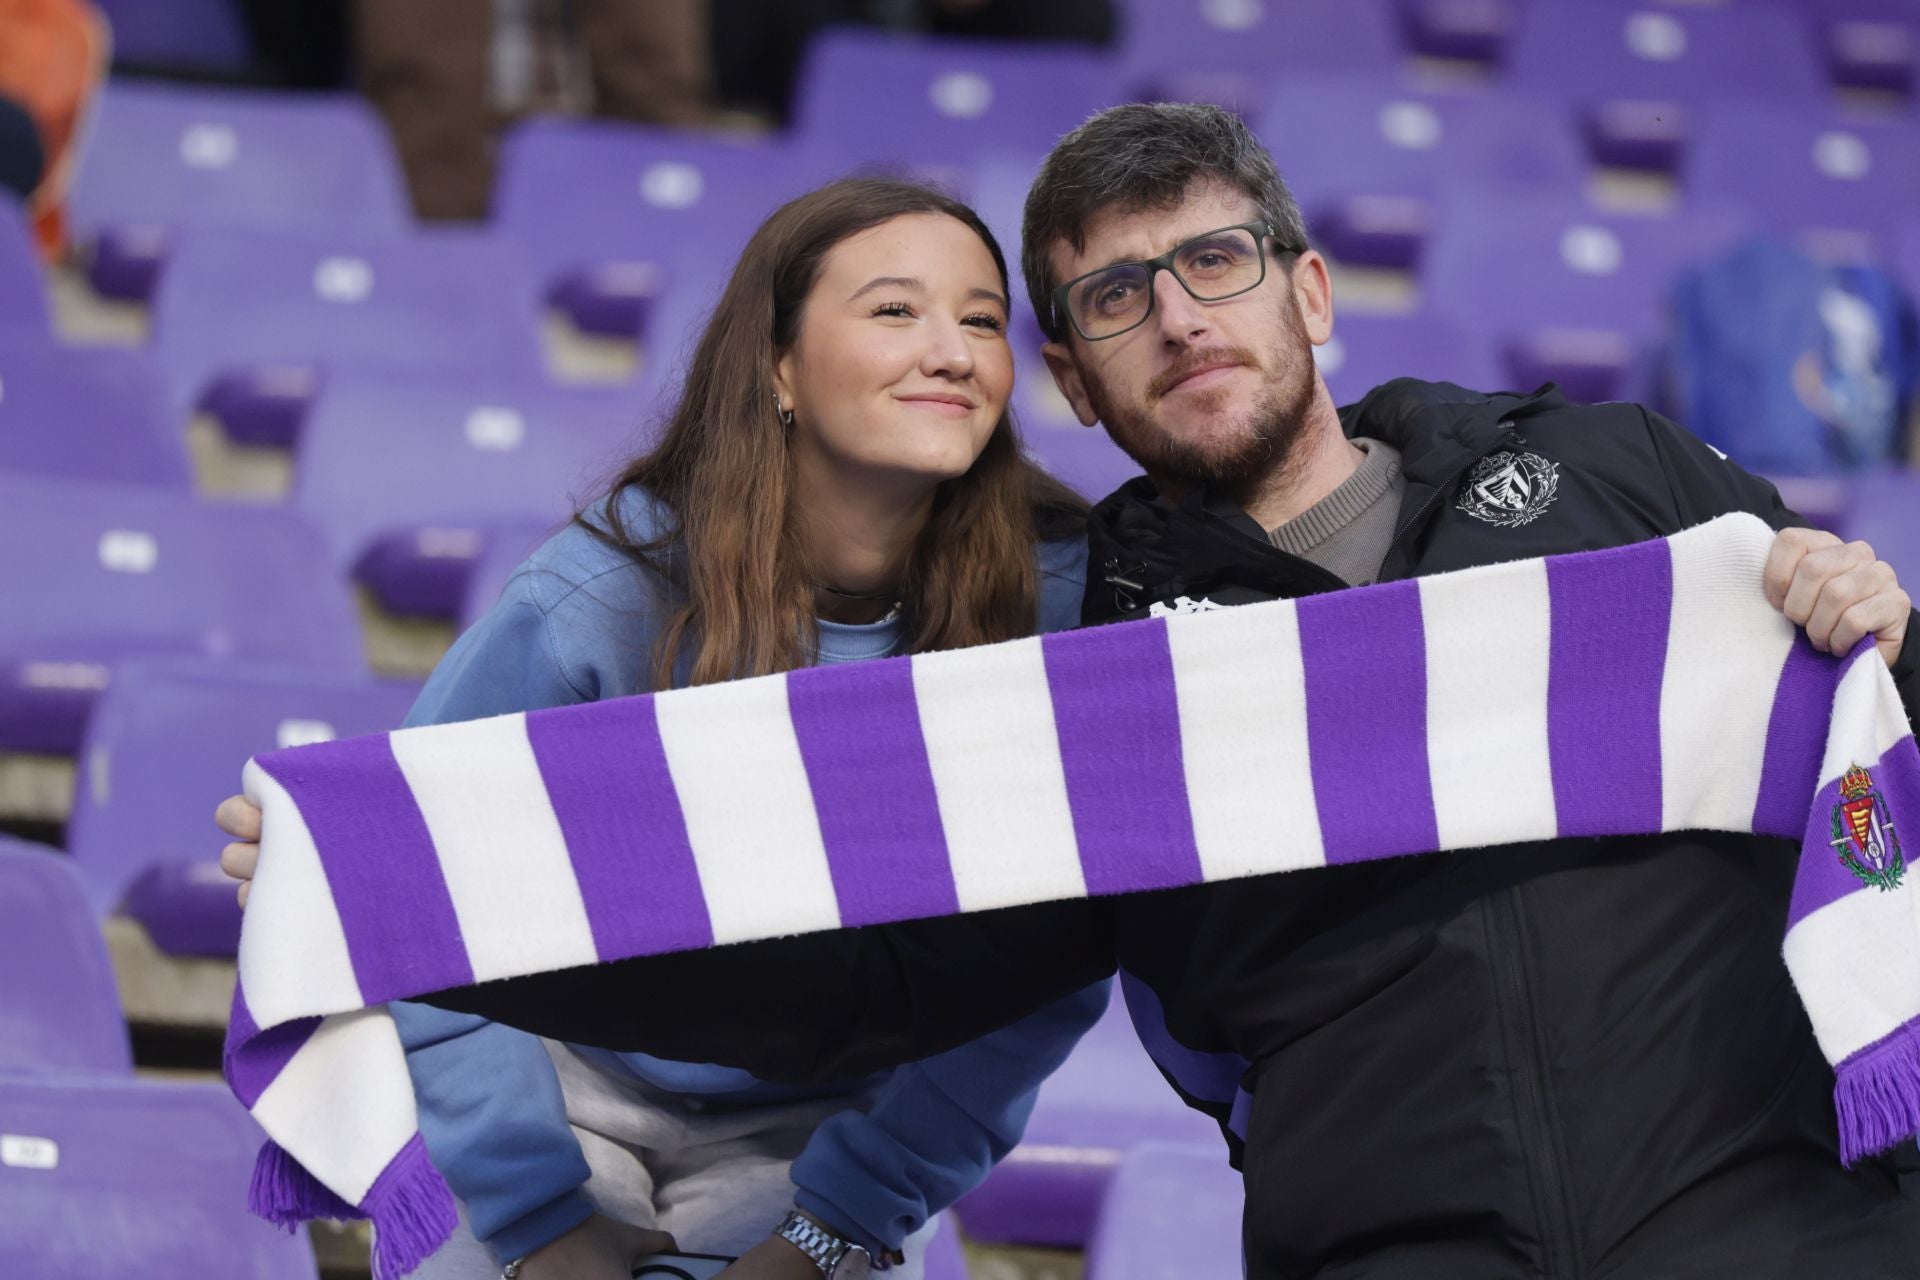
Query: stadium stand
{"type": "Point", "coordinates": [456, 457]}
{"type": "Point", "coordinates": [60, 1014]}
{"type": "Point", "coordinates": [162, 748]}
{"type": "Point", "coordinates": [247, 324]}
{"type": "Point", "coordinates": [116, 571]}
{"type": "Point", "coordinates": [1172, 1212]}
{"type": "Point", "coordinates": [23, 292]}
{"type": "Point", "coordinates": [85, 413]}
{"type": "Point", "coordinates": [163, 158]}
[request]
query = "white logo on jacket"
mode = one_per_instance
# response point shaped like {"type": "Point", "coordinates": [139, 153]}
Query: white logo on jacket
{"type": "Point", "coordinates": [1182, 604]}
{"type": "Point", "coordinates": [1509, 489]}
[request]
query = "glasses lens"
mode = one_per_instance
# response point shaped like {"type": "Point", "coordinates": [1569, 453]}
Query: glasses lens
{"type": "Point", "coordinates": [1219, 265]}
{"type": "Point", "coordinates": [1111, 300]}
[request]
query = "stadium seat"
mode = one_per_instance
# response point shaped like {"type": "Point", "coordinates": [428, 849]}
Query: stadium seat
{"type": "Point", "coordinates": [1906, 256]}
{"type": "Point", "coordinates": [88, 413]}
{"type": "Point", "coordinates": [949, 104]}
{"type": "Point", "coordinates": [248, 323]}
{"type": "Point", "coordinates": [1639, 75]}
{"type": "Point", "coordinates": [160, 158]}
{"type": "Point", "coordinates": [1106, 1099]}
{"type": "Point", "coordinates": [1232, 51]}
{"type": "Point", "coordinates": [1370, 163]}
{"type": "Point", "coordinates": [1884, 511]}
{"type": "Point", "coordinates": [106, 1177]}
{"type": "Point", "coordinates": [182, 35]}
{"type": "Point", "coordinates": [164, 745]}
{"type": "Point", "coordinates": [1367, 350]}
{"type": "Point", "coordinates": [94, 573]}
{"type": "Point", "coordinates": [23, 289]}
{"type": "Point", "coordinates": [1830, 180]}
{"type": "Point", "coordinates": [1867, 44]}
{"type": "Point", "coordinates": [1172, 1212]}
{"type": "Point", "coordinates": [1566, 294]}
{"type": "Point", "coordinates": [405, 474]}
{"type": "Point", "coordinates": [607, 213]}
{"type": "Point", "coordinates": [944, 1258]}
{"type": "Point", "coordinates": [1468, 30]}
{"type": "Point", "coordinates": [59, 1009]}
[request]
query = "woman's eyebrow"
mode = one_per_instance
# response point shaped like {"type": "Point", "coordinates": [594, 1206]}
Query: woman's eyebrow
{"type": "Point", "coordinates": [889, 282]}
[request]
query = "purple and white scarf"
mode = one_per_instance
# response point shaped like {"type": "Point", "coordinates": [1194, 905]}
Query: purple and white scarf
{"type": "Point", "coordinates": [1643, 689]}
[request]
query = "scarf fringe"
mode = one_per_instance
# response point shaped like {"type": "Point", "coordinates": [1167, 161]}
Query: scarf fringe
{"type": "Point", "coordinates": [411, 1206]}
{"type": "Point", "coordinates": [1877, 1093]}
{"type": "Point", "coordinates": [286, 1195]}
{"type": "Point", "coordinates": [412, 1210]}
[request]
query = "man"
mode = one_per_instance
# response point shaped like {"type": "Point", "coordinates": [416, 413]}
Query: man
{"type": "Point", "coordinates": [1573, 1058]}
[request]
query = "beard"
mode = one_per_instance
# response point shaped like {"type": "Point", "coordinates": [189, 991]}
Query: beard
{"type": "Point", "coordinates": [1248, 451]}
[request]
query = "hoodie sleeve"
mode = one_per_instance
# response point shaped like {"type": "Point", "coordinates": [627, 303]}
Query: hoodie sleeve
{"type": "Point", "coordinates": [937, 1127]}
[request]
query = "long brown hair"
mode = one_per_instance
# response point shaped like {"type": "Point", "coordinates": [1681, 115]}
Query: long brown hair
{"type": "Point", "coordinates": [723, 470]}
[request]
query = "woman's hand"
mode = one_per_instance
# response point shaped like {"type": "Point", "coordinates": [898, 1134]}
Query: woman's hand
{"type": "Point", "coordinates": [239, 817]}
{"type": "Point", "coordinates": [772, 1259]}
{"type": "Point", "coordinates": [598, 1249]}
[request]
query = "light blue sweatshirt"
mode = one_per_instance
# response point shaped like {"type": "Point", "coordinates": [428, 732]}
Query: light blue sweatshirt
{"type": "Point", "coordinates": [577, 623]}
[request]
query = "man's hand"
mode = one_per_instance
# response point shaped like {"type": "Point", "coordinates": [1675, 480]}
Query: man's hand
{"type": "Point", "coordinates": [598, 1249]}
{"type": "Point", "coordinates": [1837, 591]}
{"type": "Point", "coordinates": [239, 817]}
{"type": "Point", "coordinates": [772, 1259]}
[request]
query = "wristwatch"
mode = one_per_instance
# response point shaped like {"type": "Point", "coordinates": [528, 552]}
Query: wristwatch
{"type": "Point", "coordinates": [512, 1270]}
{"type": "Point", "coordinates": [837, 1259]}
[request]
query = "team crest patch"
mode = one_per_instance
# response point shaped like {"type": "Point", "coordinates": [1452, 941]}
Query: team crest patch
{"type": "Point", "coordinates": [1863, 833]}
{"type": "Point", "coordinates": [1509, 489]}
{"type": "Point", "coordinates": [1183, 604]}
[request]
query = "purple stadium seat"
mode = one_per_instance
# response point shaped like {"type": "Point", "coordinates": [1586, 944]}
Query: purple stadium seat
{"type": "Point", "coordinates": [405, 474]}
{"type": "Point", "coordinates": [164, 745]}
{"type": "Point", "coordinates": [1371, 163]}
{"type": "Point", "coordinates": [950, 103]}
{"type": "Point", "coordinates": [1470, 30]}
{"type": "Point", "coordinates": [1172, 1213]}
{"type": "Point", "coordinates": [1232, 51]}
{"type": "Point", "coordinates": [1906, 256]}
{"type": "Point", "coordinates": [1106, 1099]}
{"type": "Point", "coordinates": [1834, 182]}
{"type": "Point", "coordinates": [94, 573]}
{"type": "Point", "coordinates": [1868, 44]}
{"type": "Point", "coordinates": [160, 158]}
{"type": "Point", "coordinates": [605, 213]}
{"type": "Point", "coordinates": [59, 1010]}
{"type": "Point", "coordinates": [248, 323]}
{"type": "Point", "coordinates": [23, 289]}
{"type": "Point", "coordinates": [1884, 510]}
{"type": "Point", "coordinates": [181, 35]}
{"type": "Point", "coordinates": [1566, 294]}
{"type": "Point", "coordinates": [144, 1178]}
{"type": "Point", "coordinates": [945, 1259]}
{"type": "Point", "coordinates": [1640, 75]}
{"type": "Point", "coordinates": [1367, 350]}
{"type": "Point", "coordinates": [88, 413]}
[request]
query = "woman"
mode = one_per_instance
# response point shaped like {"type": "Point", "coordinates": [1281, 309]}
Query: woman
{"type": "Point", "coordinates": [840, 480]}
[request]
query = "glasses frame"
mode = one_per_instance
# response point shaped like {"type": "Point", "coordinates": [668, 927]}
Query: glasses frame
{"type": "Point", "coordinates": [1262, 232]}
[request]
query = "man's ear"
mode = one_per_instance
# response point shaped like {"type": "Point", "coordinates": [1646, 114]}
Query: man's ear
{"type": "Point", "coordinates": [1313, 293]}
{"type": "Point", "coordinates": [1066, 376]}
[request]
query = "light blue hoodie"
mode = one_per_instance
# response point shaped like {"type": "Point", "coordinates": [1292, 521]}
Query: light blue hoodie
{"type": "Point", "coordinates": [577, 623]}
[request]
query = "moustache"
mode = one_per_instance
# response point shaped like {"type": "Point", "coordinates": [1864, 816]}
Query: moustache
{"type": "Point", "coordinates": [1189, 363]}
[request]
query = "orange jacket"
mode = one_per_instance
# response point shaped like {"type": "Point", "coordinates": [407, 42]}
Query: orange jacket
{"type": "Point", "coordinates": [53, 54]}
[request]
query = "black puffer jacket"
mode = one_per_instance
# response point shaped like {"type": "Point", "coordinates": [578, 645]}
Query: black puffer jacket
{"type": "Point", "coordinates": [1581, 1058]}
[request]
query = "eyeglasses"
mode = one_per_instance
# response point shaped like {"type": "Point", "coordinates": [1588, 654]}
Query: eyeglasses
{"type": "Point", "coordinates": [1220, 264]}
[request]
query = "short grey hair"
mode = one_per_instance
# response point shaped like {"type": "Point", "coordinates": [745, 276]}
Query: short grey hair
{"type": "Point", "coordinates": [1144, 155]}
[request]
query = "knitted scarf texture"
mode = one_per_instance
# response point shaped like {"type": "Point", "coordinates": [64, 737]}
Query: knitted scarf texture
{"type": "Point", "coordinates": [1643, 689]}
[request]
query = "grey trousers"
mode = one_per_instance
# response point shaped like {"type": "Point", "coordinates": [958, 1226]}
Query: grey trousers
{"type": "Point", "coordinates": [715, 1178]}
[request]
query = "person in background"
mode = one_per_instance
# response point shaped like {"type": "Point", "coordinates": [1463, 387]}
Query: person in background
{"type": "Point", "coordinates": [53, 55]}
{"type": "Point", "coordinates": [840, 481]}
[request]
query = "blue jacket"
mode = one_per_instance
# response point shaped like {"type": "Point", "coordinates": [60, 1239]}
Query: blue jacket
{"type": "Point", "coordinates": [577, 623]}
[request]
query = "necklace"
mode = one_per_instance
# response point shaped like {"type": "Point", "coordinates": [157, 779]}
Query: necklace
{"type": "Point", "coordinates": [880, 597]}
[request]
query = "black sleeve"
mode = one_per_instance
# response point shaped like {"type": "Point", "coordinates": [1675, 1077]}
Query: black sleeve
{"type": "Point", "coordinates": [1906, 671]}
{"type": "Point", "coordinates": [820, 1007]}
{"type": "Point", "coordinates": [1706, 483]}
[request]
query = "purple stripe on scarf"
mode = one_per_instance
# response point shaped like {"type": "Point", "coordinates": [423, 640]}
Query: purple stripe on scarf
{"type": "Point", "coordinates": [1796, 739]}
{"type": "Point", "coordinates": [1365, 658]}
{"type": "Point", "coordinates": [402, 934]}
{"type": "Point", "coordinates": [606, 776]}
{"type": "Point", "coordinates": [1611, 615]}
{"type": "Point", "coordinates": [253, 1061]}
{"type": "Point", "coordinates": [1118, 721]}
{"type": "Point", "coordinates": [859, 733]}
{"type": "Point", "coordinates": [1823, 878]}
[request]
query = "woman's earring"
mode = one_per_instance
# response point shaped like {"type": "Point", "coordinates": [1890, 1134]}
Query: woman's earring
{"type": "Point", "coordinates": [786, 414]}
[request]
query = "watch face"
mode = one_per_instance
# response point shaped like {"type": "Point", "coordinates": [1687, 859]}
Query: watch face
{"type": "Point", "coordinates": [854, 1266]}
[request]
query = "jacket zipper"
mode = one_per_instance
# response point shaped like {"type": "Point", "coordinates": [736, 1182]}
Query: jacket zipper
{"type": "Point", "coordinates": [1514, 991]}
